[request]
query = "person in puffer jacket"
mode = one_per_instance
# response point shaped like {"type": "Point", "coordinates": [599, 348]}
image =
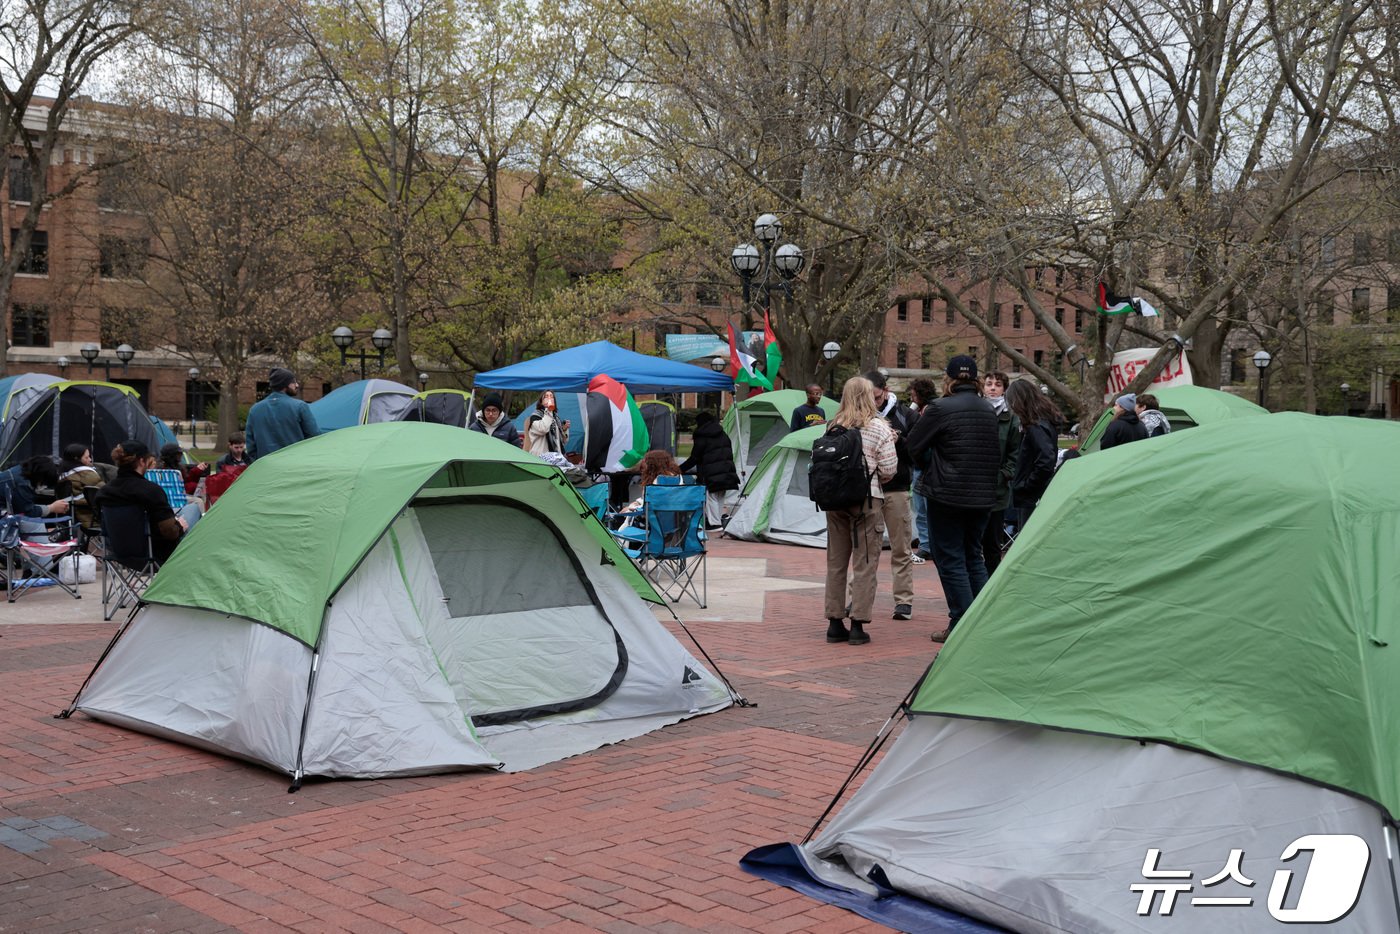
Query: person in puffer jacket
{"type": "Point", "coordinates": [492, 420]}
{"type": "Point", "coordinates": [712, 459]}
{"type": "Point", "coordinates": [957, 438]}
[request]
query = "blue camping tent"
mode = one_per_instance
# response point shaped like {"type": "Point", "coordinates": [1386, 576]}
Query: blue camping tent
{"type": "Point", "coordinates": [570, 370]}
{"type": "Point", "coordinates": [362, 402]}
{"type": "Point", "coordinates": [18, 390]}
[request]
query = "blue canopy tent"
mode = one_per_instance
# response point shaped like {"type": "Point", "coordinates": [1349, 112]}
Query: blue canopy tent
{"type": "Point", "coordinates": [570, 409]}
{"type": "Point", "coordinates": [570, 370]}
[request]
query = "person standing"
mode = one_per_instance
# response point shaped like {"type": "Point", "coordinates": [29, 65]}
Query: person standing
{"type": "Point", "coordinates": [854, 533]}
{"type": "Point", "coordinates": [1040, 432]}
{"type": "Point", "coordinates": [895, 508]}
{"type": "Point", "coordinates": [712, 459]}
{"type": "Point", "coordinates": [1009, 437]}
{"type": "Point", "coordinates": [921, 393]}
{"type": "Point", "coordinates": [957, 434]}
{"type": "Point", "coordinates": [809, 414]}
{"type": "Point", "coordinates": [492, 420]}
{"type": "Point", "coordinates": [280, 419]}
{"type": "Point", "coordinates": [545, 432]}
{"type": "Point", "coordinates": [1152, 418]}
{"type": "Point", "coordinates": [1125, 426]}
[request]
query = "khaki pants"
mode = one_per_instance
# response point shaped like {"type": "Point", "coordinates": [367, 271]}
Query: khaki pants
{"type": "Point", "coordinates": [853, 539]}
{"type": "Point", "coordinates": [899, 520]}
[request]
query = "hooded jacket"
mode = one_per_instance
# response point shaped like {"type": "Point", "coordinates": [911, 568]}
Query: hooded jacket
{"type": "Point", "coordinates": [1126, 427]}
{"type": "Point", "coordinates": [712, 457]}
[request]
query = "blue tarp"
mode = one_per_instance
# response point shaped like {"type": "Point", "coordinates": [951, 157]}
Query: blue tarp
{"type": "Point", "coordinates": [570, 370]}
{"type": "Point", "coordinates": [783, 863]}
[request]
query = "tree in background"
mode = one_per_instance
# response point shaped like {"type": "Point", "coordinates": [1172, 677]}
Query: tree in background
{"type": "Point", "coordinates": [48, 53]}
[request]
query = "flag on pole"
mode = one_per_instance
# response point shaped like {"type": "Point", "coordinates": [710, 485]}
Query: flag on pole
{"type": "Point", "coordinates": [743, 366]}
{"type": "Point", "coordinates": [772, 352]}
{"type": "Point", "coordinates": [616, 435]}
{"type": "Point", "coordinates": [1110, 304]}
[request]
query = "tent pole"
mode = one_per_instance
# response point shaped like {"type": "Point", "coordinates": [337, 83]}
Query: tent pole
{"type": "Point", "coordinates": [739, 699]}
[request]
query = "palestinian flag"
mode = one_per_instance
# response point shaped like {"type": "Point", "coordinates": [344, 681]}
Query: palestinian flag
{"type": "Point", "coordinates": [743, 365]}
{"type": "Point", "coordinates": [772, 352]}
{"type": "Point", "coordinates": [616, 436]}
{"type": "Point", "coordinates": [1110, 304]}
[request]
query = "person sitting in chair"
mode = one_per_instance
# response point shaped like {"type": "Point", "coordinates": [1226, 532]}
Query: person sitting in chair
{"type": "Point", "coordinates": [131, 488]}
{"type": "Point", "coordinates": [76, 473]}
{"type": "Point", "coordinates": [17, 488]}
{"type": "Point", "coordinates": [653, 464]}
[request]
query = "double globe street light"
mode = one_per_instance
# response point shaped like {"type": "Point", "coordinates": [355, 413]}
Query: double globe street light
{"type": "Point", "coordinates": [752, 263]}
{"type": "Point", "coordinates": [343, 338]}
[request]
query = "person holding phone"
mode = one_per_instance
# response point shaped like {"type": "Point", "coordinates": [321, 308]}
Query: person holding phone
{"type": "Point", "coordinates": [545, 432]}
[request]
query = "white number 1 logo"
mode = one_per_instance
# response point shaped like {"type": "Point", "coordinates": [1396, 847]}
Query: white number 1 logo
{"type": "Point", "coordinates": [1333, 882]}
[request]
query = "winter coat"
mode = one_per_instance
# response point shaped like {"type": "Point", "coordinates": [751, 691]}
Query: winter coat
{"type": "Point", "coordinates": [276, 422]}
{"type": "Point", "coordinates": [957, 436]}
{"type": "Point", "coordinates": [545, 432]}
{"type": "Point", "coordinates": [1035, 465]}
{"type": "Point", "coordinates": [502, 430]}
{"type": "Point", "coordinates": [1126, 427]}
{"type": "Point", "coordinates": [1009, 437]}
{"type": "Point", "coordinates": [901, 419]}
{"type": "Point", "coordinates": [712, 458]}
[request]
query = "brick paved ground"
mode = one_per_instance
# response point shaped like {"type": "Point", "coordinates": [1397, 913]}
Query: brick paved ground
{"type": "Point", "coordinates": [102, 829]}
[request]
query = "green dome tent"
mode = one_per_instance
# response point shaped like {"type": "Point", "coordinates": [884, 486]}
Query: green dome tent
{"type": "Point", "coordinates": [442, 601]}
{"type": "Point", "coordinates": [757, 423]}
{"type": "Point", "coordinates": [775, 506]}
{"type": "Point", "coordinates": [1193, 647]}
{"type": "Point", "coordinates": [1184, 407]}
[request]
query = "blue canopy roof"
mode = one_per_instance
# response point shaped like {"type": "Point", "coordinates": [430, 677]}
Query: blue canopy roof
{"type": "Point", "coordinates": [570, 370]}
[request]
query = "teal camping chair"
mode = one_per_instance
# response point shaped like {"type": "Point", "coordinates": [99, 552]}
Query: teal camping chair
{"type": "Point", "coordinates": [670, 550]}
{"type": "Point", "coordinates": [596, 498]}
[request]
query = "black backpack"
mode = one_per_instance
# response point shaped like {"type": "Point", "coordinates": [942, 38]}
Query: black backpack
{"type": "Point", "coordinates": [837, 478]}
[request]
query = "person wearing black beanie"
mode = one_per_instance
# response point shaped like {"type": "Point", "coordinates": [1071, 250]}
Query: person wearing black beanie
{"type": "Point", "coordinates": [280, 419]}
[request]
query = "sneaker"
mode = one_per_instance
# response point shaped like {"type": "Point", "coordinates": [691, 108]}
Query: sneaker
{"type": "Point", "coordinates": [924, 554]}
{"type": "Point", "coordinates": [904, 611]}
{"type": "Point", "coordinates": [915, 559]}
{"type": "Point", "coordinates": [940, 636]}
{"type": "Point", "coordinates": [836, 631]}
{"type": "Point", "coordinates": [858, 634]}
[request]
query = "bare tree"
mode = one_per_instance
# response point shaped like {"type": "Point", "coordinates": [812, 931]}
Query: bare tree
{"type": "Point", "coordinates": [48, 51]}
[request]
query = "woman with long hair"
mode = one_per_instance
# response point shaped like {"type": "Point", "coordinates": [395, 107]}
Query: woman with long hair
{"type": "Point", "coordinates": [77, 472]}
{"type": "Point", "coordinates": [545, 432]}
{"type": "Point", "coordinates": [652, 465]}
{"type": "Point", "coordinates": [1040, 430]}
{"type": "Point", "coordinates": [855, 534]}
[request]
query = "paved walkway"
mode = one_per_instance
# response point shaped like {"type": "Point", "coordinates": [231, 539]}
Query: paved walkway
{"type": "Point", "coordinates": [102, 829]}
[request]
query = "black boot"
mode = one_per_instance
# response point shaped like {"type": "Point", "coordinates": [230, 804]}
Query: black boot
{"type": "Point", "coordinates": [836, 630]}
{"type": "Point", "coordinates": [858, 634]}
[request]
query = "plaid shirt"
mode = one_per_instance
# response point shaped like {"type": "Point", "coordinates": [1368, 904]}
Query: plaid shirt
{"type": "Point", "coordinates": [173, 483]}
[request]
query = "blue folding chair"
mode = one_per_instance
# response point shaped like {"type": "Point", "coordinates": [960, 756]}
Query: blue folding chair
{"type": "Point", "coordinates": [595, 497]}
{"type": "Point", "coordinates": [670, 550]}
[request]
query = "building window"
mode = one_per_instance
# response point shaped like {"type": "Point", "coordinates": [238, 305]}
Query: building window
{"type": "Point", "coordinates": [29, 326]}
{"type": "Point", "coordinates": [972, 352]}
{"type": "Point", "coordinates": [122, 257]}
{"type": "Point", "coordinates": [707, 294]}
{"type": "Point", "coordinates": [1078, 321]}
{"type": "Point", "coordinates": [671, 293]}
{"type": "Point", "coordinates": [1060, 316]}
{"type": "Point", "coordinates": [901, 311]}
{"type": "Point", "coordinates": [660, 331]}
{"type": "Point", "coordinates": [996, 314]}
{"type": "Point", "coordinates": [1361, 305]}
{"type": "Point", "coordinates": [1361, 248]}
{"type": "Point", "coordinates": [926, 356]}
{"type": "Point", "coordinates": [901, 355]}
{"type": "Point", "coordinates": [1329, 251]}
{"type": "Point", "coordinates": [119, 326]}
{"type": "Point", "coordinates": [1392, 305]}
{"type": "Point", "coordinates": [1038, 325]}
{"type": "Point", "coordinates": [1039, 358]}
{"type": "Point", "coordinates": [1059, 277]}
{"type": "Point", "coordinates": [974, 307]}
{"type": "Point", "coordinates": [36, 261]}
{"type": "Point", "coordinates": [928, 311]}
{"type": "Point", "coordinates": [951, 315]}
{"type": "Point", "coordinates": [1392, 245]}
{"type": "Point", "coordinates": [21, 180]}
{"type": "Point", "coordinates": [1016, 316]}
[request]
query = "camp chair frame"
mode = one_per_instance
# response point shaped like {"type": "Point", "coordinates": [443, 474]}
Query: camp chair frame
{"type": "Point", "coordinates": [670, 550]}
{"type": "Point", "coordinates": [21, 565]}
{"type": "Point", "coordinates": [128, 563]}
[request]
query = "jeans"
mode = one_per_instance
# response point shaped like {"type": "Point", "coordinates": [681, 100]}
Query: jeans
{"type": "Point", "coordinates": [920, 506]}
{"type": "Point", "coordinates": [956, 537]}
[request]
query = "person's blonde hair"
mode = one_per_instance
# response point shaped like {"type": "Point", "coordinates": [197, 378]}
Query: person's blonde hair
{"type": "Point", "coordinates": [857, 403]}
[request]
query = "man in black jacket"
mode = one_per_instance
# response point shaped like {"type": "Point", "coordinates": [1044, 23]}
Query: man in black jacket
{"type": "Point", "coordinates": [898, 514]}
{"type": "Point", "coordinates": [957, 437]}
{"type": "Point", "coordinates": [1125, 426]}
{"type": "Point", "coordinates": [712, 458]}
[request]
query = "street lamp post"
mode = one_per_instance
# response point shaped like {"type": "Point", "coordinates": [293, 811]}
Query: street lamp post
{"type": "Point", "coordinates": [830, 350]}
{"type": "Point", "coordinates": [719, 365]}
{"type": "Point", "coordinates": [63, 367]}
{"type": "Point", "coordinates": [752, 263]}
{"type": "Point", "coordinates": [91, 352]}
{"type": "Point", "coordinates": [196, 398]}
{"type": "Point", "coordinates": [343, 338]}
{"type": "Point", "coordinates": [1346, 398]}
{"type": "Point", "coordinates": [422, 382]}
{"type": "Point", "coordinates": [1261, 363]}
